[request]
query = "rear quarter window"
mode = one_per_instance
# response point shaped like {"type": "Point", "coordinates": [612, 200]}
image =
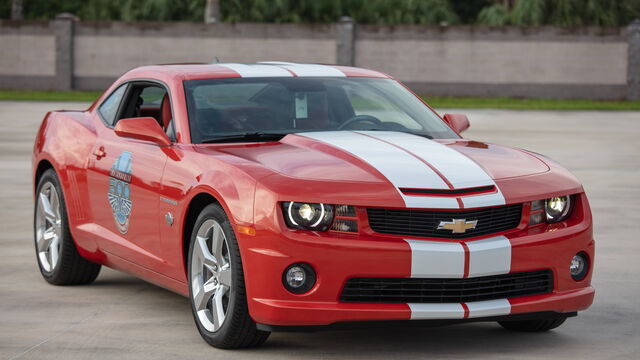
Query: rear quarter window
{"type": "Point", "coordinates": [109, 107]}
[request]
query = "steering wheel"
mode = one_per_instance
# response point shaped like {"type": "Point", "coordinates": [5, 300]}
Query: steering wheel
{"type": "Point", "coordinates": [361, 118]}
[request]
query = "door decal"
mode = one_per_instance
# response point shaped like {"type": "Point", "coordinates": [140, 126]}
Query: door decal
{"type": "Point", "coordinates": [119, 193]}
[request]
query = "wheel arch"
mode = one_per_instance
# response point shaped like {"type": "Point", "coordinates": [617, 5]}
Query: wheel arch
{"type": "Point", "coordinates": [197, 203]}
{"type": "Point", "coordinates": [41, 168]}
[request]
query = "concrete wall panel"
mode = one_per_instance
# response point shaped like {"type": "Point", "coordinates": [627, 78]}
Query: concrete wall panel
{"type": "Point", "coordinates": [97, 56]}
{"type": "Point", "coordinates": [27, 55]}
{"type": "Point", "coordinates": [497, 62]}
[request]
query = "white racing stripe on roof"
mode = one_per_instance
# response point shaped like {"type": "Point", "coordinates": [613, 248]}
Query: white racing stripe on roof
{"type": "Point", "coordinates": [399, 167]}
{"type": "Point", "coordinates": [457, 168]}
{"type": "Point", "coordinates": [308, 70]}
{"type": "Point", "coordinates": [258, 70]}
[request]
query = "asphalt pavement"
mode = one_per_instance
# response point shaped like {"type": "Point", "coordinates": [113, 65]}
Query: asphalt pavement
{"type": "Point", "coordinates": [120, 316]}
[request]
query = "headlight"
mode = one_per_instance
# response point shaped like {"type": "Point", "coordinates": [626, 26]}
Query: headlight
{"type": "Point", "coordinates": [557, 208]}
{"type": "Point", "coordinates": [308, 216]}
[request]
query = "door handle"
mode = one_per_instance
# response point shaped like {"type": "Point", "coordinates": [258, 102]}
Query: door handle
{"type": "Point", "coordinates": [99, 153]}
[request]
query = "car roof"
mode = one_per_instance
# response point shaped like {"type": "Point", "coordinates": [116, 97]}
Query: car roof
{"type": "Point", "coordinates": [193, 71]}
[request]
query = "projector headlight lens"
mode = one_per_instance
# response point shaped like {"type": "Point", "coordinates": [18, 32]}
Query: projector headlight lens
{"type": "Point", "coordinates": [308, 216]}
{"type": "Point", "coordinates": [557, 208]}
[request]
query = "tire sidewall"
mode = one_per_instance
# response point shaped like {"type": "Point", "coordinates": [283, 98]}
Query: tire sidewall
{"type": "Point", "coordinates": [51, 176]}
{"type": "Point", "coordinates": [215, 212]}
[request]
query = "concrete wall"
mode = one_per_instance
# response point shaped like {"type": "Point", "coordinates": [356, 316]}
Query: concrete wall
{"type": "Point", "coordinates": [27, 55]}
{"type": "Point", "coordinates": [455, 61]}
{"type": "Point", "coordinates": [475, 61]}
{"type": "Point", "coordinates": [104, 51]}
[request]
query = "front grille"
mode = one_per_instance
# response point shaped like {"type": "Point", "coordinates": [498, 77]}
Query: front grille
{"type": "Point", "coordinates": [408, 290]}
{"type": "Point", "coordinates": [425, 222]}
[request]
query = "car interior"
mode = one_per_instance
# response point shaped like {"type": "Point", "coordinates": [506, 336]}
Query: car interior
{"type": "Point", "coordinates": [149, 100]}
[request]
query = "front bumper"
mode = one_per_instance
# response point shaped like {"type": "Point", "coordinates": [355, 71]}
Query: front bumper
{"type": "Point", "coordinates": [338, 257]}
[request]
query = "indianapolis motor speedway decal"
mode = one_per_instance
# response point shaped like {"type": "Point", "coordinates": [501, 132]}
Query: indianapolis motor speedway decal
{"type": "Point", "coordinates": [119, 192]}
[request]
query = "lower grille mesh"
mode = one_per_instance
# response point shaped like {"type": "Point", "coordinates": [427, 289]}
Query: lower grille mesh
{"type": "Point", "coordinates": [407, 290]}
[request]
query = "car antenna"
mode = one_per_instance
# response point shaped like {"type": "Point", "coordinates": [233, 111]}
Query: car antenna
{"type": "Point", "coordinates": [217, 60]}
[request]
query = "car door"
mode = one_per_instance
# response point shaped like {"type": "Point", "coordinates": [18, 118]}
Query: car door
{"type": "Point", "coordinates": [124, 177]}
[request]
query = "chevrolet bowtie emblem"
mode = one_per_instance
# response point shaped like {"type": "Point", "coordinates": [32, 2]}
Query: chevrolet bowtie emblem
{"type": "Point", "coordinates": [458, 226]}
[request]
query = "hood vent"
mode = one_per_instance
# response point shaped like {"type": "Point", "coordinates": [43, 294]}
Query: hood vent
{"type": "Point", "coordinates": [449, 192]}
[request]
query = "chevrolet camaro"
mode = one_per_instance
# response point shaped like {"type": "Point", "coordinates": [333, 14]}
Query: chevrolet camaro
{"type": "Point", "coordinates": [280, 196]}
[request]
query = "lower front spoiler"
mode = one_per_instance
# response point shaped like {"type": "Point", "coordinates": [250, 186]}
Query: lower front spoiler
{"type": "Point", "coordinates": [308, 314]}
{"type": "Point", "coordinates": [357, 325]}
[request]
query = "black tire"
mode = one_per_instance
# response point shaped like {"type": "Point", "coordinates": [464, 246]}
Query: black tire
{"type": "Point", "coordinates": [238, 329]}
{"type": "Point", "coordinates": [533, 325]}
{"type": "Point", "coordinates": [71, 268]}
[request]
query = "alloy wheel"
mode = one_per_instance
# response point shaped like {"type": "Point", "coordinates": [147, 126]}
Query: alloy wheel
{"type": "Point", "coordinates": [48, 227]}
{"type": "Point", "coordinates": [211, 275]}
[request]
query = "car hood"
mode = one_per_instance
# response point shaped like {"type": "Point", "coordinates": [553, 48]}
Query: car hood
{"type": "Point", "coordinates": [408, 160]}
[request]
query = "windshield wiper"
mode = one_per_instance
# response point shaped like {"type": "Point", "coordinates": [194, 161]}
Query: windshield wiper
{"type": "Point", "coordinates": [246, 137]}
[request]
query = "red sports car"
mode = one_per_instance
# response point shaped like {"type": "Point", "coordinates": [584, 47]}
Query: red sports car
{"type": "Point", "coordinates": [281, 196]}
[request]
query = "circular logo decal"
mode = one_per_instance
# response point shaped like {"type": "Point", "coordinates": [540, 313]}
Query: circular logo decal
{"type": "Point", "coordinates": [119, 192]}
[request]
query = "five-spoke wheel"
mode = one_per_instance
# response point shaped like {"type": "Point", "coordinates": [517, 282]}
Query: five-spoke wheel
{"type": "Point", "coordinates": [57, 255]}
{"type": "Point", "coordinates": [211, 275]}
{"type": "Point", "coordinates": [216, 284]}
{"type": "Point", "coordinates": [48, 226]}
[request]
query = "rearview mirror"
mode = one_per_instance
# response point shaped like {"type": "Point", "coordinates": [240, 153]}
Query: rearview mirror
{"type": "Point", "coordinates": [142, 128]}
{"type": "Point", "coordinates": [458, 122]}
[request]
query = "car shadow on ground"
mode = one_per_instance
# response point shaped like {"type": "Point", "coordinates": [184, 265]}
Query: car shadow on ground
{"type": "Point", "coordinates": [393, 341]}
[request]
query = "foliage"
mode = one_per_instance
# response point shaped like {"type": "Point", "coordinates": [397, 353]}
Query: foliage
{"type": "Point", "coordinates": [387, 12]}
{"type": "Point", "coordinates": [494, 15]}
{"type": "Point", "coordinates": [528, 13]}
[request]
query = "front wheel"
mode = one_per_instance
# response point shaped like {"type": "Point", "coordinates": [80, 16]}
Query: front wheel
{"type": "Point", "coordinates": [538, 325]}
{"type": "Point", "coordinates": [216, 284]}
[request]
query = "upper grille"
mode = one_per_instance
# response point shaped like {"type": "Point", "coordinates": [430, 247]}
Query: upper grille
{"type": "Point", "coordinates": [425, 222]}
{"type": "Point", "coordinates": [408, 290]}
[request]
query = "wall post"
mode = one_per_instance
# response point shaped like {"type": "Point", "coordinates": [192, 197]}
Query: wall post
{"type": "Point", "coordinates": [633, 64]}
{"type": "Point", "coordinates": [346, 42]}
{"type": "Point", "coordinates": [63, 29]}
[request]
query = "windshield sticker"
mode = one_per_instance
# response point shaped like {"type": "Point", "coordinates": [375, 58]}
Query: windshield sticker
{"type": "Point", "coordinates": [301, 106]}
{"type": "Point", "coordinates": [119, 192]}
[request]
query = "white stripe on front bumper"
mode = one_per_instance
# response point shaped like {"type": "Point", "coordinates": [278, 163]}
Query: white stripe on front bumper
{"type": "Point", "coordinates": [436, 311]}
{"type": "Point", "coordinates": [491, 256]}
{"type": "Point", "coordinates": [436, 259]}
{"type": "Point", "coordinates": [489, 308]}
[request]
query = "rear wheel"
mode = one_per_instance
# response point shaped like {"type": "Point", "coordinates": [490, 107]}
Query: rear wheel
{"type": "Point", "coordinates": [216, 284]}
{"type": "Point", "coordinates": [57, 255]}
{"type": "Point", "coordinates": [539, 325]}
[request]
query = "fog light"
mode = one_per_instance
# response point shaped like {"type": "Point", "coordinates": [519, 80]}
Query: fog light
{"type": "Point", "coordinates": [579, 266]}
{"type": "Point", "coordinates": [299, 278]}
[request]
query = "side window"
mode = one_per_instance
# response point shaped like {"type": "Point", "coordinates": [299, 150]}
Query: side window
{"type": "Point", "coordinates": [109, 107]}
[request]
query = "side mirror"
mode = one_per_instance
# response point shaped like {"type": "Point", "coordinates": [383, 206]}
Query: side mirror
{"type": "Point", "coordinates": [458, 122]}
{"type": "Point", "coordinates": [142, 128]}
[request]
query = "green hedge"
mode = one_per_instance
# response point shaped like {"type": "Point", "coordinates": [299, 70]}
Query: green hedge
{"type": "Point", "coordinates": [389, 12]}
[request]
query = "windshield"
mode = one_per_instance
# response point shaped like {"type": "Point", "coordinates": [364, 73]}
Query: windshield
{"type": "Point", "coordinates": [222, 108]}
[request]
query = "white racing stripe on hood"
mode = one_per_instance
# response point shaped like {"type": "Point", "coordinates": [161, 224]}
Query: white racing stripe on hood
{"type": "Point", "coordinates": [458, 169]}
{"type": "Point", "coordinates": [258, 70]}
{"type": "Point", "coordinates": [399, 167]}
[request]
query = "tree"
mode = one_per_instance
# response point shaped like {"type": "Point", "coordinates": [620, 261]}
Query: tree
{"type": "Point", "coordinates": [212, 11]}
{"type": "Point", "coordinates": [16, 10]}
